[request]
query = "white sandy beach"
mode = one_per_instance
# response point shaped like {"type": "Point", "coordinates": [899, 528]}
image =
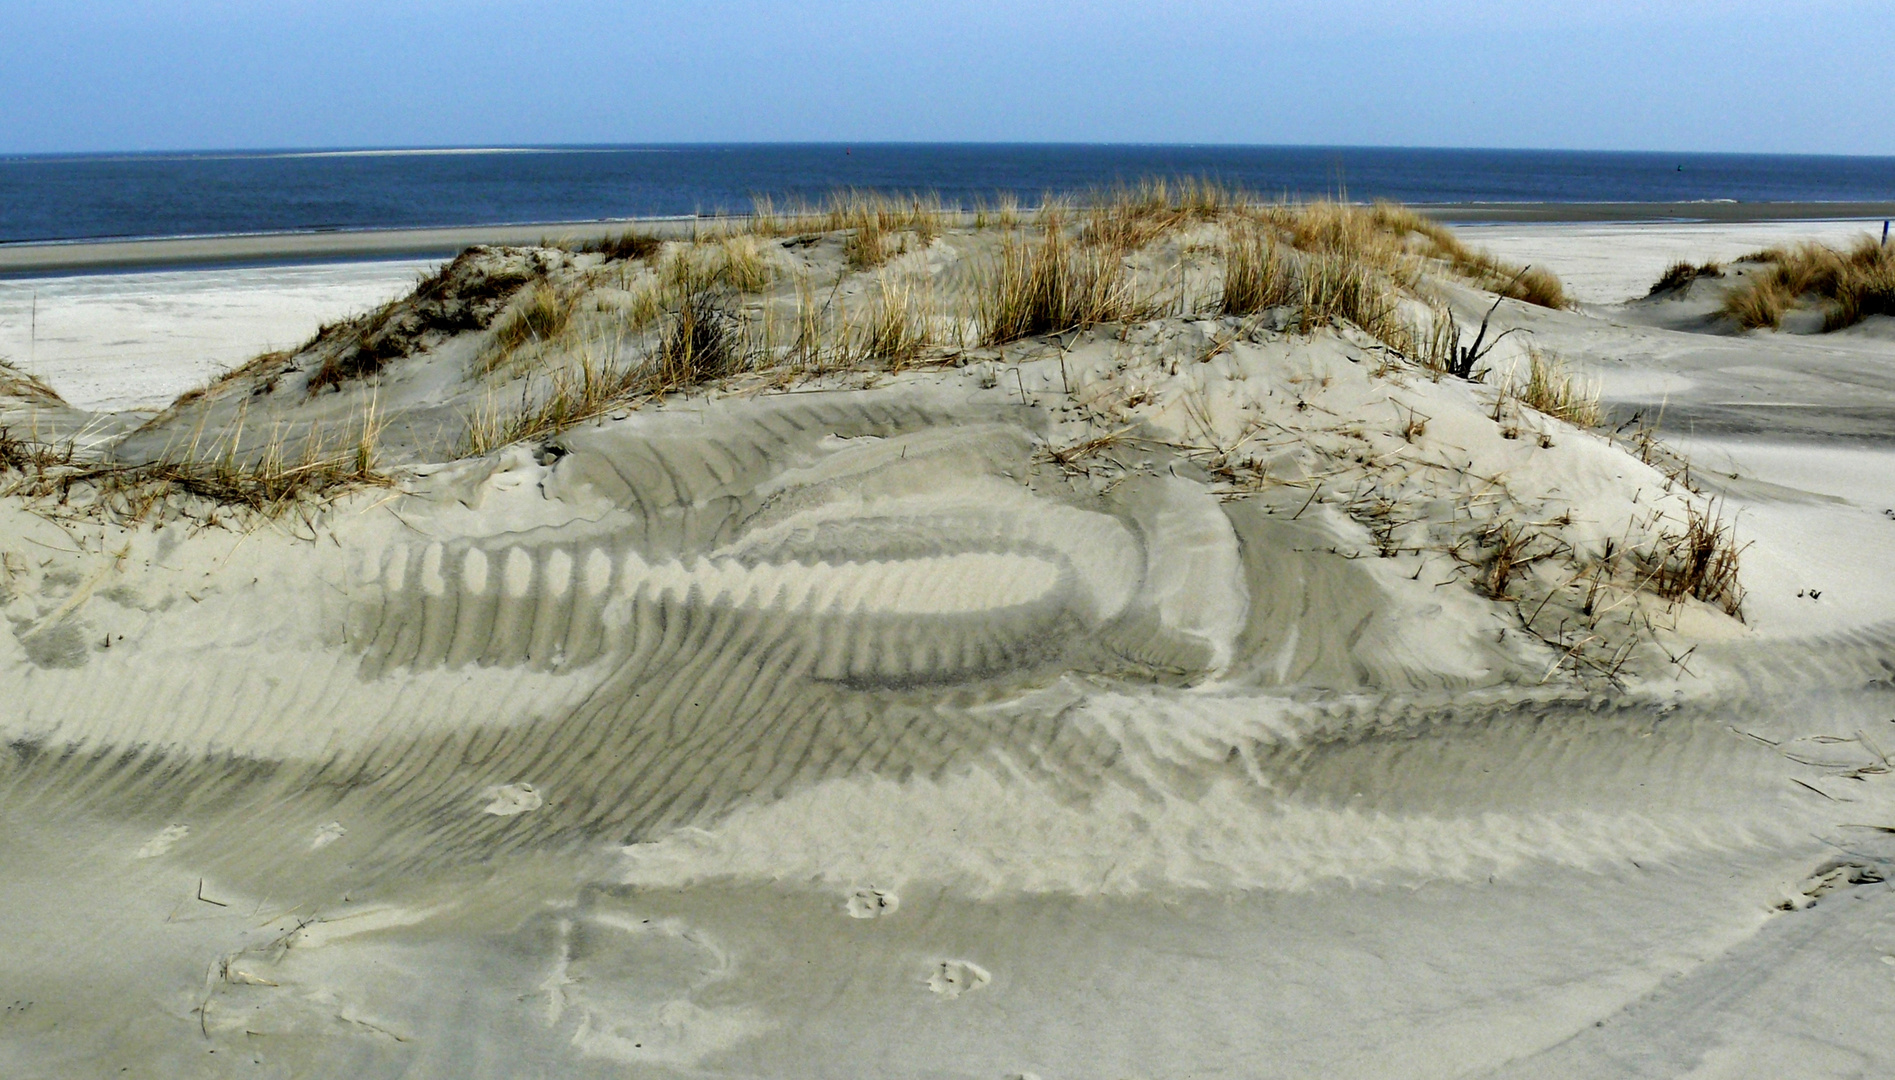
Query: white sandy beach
{"type": "Point", "coordinates": [1127, 702]}
{"type": "Point", "coordinates": [137, 340]}
{"type": "Point", "coordinates": [1612, 263]}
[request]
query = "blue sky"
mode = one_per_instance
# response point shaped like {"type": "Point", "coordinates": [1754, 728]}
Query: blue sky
{"type": "Point", "coordinates": [1741, 75]}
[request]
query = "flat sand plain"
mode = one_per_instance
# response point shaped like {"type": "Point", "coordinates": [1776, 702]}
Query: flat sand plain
{"type": "Point", "coordinates": [135, 341]}
{"type": "Point", "coordinates": [848, 731]}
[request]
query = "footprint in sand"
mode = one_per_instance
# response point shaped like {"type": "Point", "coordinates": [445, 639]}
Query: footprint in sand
{"type": "Point", "coordinates": [327, 834]}
{"type": "Point", "coordinates": [872, 903]}
{"type": "Point", "coordinates": [952, 978]}
{"type": "Point", "coordinates": [164, 841]}
{"type": "Point", "coordinates": [510, 800]}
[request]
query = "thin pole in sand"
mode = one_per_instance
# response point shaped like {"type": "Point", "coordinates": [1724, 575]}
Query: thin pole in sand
{"type": "Point", "coordinates": [1884, 232]}
{"type": "Point", "coordinates": [32, 334]}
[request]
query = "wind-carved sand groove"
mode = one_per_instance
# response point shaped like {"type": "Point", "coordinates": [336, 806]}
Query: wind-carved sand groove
{"type": "Point", "coordinates": [725, 614]}
{"type": "Point", "coordinates": [885, 561]}
{"type": "Point", "coordinates": [817, 630]}
{"type": "Point", "coordinates": [554, 608]}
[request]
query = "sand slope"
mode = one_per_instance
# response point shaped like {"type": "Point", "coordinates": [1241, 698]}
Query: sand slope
{"type": "Point", "coordinates": [911, 729]}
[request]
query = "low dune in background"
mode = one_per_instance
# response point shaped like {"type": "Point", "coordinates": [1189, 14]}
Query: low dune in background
{"type": "Point", "coordinates": [872, 643]}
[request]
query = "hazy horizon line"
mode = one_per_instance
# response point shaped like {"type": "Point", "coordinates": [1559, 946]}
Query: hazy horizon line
{"type": "Point", "coordinates": [450, 150]}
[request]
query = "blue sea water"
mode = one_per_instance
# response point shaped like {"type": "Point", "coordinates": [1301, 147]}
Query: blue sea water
{"type": "Point", "coordinates": [95, 196]}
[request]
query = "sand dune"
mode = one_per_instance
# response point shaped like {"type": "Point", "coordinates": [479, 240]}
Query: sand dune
{"type": "Point", "coordinates": [1135, 700]}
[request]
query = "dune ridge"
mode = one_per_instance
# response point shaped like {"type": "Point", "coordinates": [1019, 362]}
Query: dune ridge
{"type": "Point", "coordinates": [812, 631]}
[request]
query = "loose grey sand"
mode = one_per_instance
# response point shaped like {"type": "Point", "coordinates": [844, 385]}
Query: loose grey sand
{"type": "Point", "coordinates": [843, 732]}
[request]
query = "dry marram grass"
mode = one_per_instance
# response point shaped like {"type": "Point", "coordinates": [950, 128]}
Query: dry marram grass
{"type": "Point", "coordinates": [1054, 284]}
{"type": "Point", "coordinates": [1326, 262]}
{"type": "Point", "coordinates": [902, 324]}
{"type": "Point", "coordinates": [15, 383]}
{"type": "Point", "coordinates": [265, 482]}
{"type": "Point", "coordinates": [564, 396]}
{"type": "Point", "coordinates": [1850, 285]}
{"type": "Point", "coordinates": [1550, 388]}
{"type": "Point", "coordinates": [1392, 237]}
{"type": "Point", "coordinates": [1126, 219]}
{"type": "Point", "coordinates": [1699, 561]}
{"type": "Point", "coordinates": [1681, 274]}
{"type": "Point", "coordinates": [876, 224]}
{"type": "Point", "coordinates": [626, 246]}
{"type": "Point", "coordinates": [540, 316]}
{"type": "Point", "coordinates": [1256, 274]}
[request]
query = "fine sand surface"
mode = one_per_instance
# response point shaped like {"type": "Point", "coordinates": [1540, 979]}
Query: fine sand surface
{"type": "Point", "coordinates": [1612, 263]}
{"type": "Point", "coordinates": [1117, 703]}
{"type": "Point", "coordinates": [135, 341]}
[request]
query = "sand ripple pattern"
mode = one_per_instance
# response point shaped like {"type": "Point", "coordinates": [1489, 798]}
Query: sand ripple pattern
{"type": "Point", "coordinates": [850, 622]}
{"type": "Point", "coordinates": [557, 607]}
